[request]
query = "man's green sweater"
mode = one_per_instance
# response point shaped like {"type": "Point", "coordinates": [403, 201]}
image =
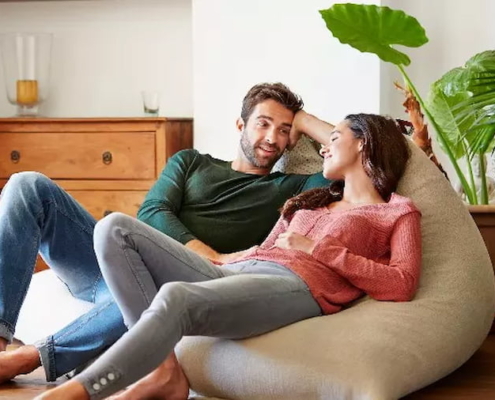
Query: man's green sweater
{"type": "Point", "coordinates": [200, 197]}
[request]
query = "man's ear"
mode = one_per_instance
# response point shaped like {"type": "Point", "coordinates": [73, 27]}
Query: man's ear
{"type": "Point", "coordinates": [240, 124]}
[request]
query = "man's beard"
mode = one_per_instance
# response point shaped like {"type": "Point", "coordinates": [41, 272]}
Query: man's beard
{"type": "Point", "coordinates": [249, 151]}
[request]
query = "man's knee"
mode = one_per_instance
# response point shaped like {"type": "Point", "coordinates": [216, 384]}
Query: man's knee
{"type": "Point", "coordinates": [27, 189]}
{"type": "Point", "coordinates": [28, 181]}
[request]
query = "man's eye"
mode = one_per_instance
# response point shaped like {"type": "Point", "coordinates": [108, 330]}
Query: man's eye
{"type": "Point", "coordinates": [285, 131]}
{"type": "Point", "coordinates": [262, 124]}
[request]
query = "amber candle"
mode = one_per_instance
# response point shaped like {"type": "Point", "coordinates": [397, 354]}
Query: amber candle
{"type": "Point", "coordinates": [27, 92]}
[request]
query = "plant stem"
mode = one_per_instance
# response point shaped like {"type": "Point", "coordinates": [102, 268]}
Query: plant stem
{"type": "Point", "coordinates": [467, 189]}
{"type": "Point", "coordinates": [484, 188]}
{"type": "Point", "coordinates": [471, 174]}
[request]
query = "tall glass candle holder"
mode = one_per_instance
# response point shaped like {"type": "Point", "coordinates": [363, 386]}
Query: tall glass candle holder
{"type": "Point", "coordinates": [26, 66]}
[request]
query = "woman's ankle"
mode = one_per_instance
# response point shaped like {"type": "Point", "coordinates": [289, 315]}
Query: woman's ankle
{"type": "Point", "coordinates": [3, 344]}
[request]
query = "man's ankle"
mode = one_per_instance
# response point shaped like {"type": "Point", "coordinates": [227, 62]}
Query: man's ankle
{"type": "Point", "coordinates": [3, 344]}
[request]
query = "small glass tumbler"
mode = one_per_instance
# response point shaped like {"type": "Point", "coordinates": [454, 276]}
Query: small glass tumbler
{"type": "Point", "coordinates": [151, 103]}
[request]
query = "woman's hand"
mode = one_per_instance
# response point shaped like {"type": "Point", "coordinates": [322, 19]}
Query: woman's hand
{"type": "Point", "coordinates": [295, 241]}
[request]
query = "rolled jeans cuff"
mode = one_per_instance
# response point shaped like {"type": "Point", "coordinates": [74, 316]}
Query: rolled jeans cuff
{"type": "Point", "coordinates": [47, 357]}
{"type": "Point", "coordinates": [6, 331]}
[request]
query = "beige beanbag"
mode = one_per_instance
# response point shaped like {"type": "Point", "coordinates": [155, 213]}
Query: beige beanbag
{"type": "Point", "coordinates": [304, 159]}
{"type": "Point", "coordinates": [373, 350]}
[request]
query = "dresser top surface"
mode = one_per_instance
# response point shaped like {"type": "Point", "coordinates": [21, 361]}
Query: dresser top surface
{"type": "Point", "coordinates": [38, 120]}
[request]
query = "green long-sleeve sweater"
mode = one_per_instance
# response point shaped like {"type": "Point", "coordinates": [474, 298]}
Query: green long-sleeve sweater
{"type": "Point", "coordinates": [200, 197]}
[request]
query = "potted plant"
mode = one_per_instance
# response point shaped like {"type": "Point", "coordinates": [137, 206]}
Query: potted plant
{"type": "Point", "coordinates": [461, 104]}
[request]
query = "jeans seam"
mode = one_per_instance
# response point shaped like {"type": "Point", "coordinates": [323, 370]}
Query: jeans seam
{"type": "Point", "coordinates": [95, 287]}
{"type": "Point", "coordinates": [173, 255]}
{"type": "Point", "coordinates": [28, 273]}
{"type": "Point", "coordinates": [8, 326]}
{"type": "Point", "coordinates": [138, 280]}
{"type": "Point", "coordinates": [46, 351]}
{"type": "Point", "coordinates": [53, 201]}
{"type": "Point", "coordinates": [93, 315]}
{"type": "Point", "coordinates": [60, 210]}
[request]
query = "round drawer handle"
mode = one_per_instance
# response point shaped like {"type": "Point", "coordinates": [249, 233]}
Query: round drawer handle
{"type": "Point", "coordinates": [107, 212]}
{"type": "Point", "coordinates": [107, 158]}
{"type": "Point", "coordinates": [15, 156]}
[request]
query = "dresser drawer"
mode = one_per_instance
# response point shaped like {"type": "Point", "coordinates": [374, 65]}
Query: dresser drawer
{"type": "Point", "coordinates": [94, 155]}
{"type": "Point", "coordinates": [101, 203]}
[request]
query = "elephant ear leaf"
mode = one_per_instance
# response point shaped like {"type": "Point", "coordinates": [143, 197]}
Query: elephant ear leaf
{"type": "Point", "coordinates": [374, 29]}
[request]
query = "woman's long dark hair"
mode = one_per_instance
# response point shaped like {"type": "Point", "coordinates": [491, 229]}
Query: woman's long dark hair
{"type": "Point", "coordinates": [385, 154]}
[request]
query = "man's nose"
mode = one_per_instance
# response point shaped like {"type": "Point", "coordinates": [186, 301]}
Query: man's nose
{"type": "Point", "coordinates": [270, 136]}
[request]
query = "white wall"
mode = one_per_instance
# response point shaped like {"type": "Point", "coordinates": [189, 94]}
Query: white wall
{"type": "Point", "coordinates": [106, 52]}
{"type": "Point", "coordinates": [238, 43]}
{"type": "Point", "coordinates": [457, 30]}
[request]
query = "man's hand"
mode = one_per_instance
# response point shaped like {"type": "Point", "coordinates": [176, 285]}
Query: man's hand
{"type": "Point", "coordinates": [296, 131]}
{"type": "Point", "coordinates": [207, 252]}
{"type": "Point", "coordinates": [308, 124]}
{"type": "Point", "coordinates": [228, 258]}
{"type": "Point", "coordinates": [202, 249]}
{"type": "Point", "coordinates": [295, 241]}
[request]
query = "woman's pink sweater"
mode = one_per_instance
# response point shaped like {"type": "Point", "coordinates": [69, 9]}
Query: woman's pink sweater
{"type": "Point", "coordinates": [373, 249]}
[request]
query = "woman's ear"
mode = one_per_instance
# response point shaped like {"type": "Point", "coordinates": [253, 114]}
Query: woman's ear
{"type": "Point", "coordinates": [240, 124]}
{"type": "Point", "coordinates": [360, 147]}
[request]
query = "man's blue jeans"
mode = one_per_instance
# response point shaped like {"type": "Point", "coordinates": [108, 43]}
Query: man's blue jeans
{"type": "Point", "coordinates": [37, 215]}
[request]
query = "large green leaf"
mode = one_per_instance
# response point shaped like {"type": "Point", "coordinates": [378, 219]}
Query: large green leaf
{"type": "Point", "coordinates": [483, 61]}
{"type": "Point", "coordinates": [479, 107]}
{"type": "Point", "coordinates": [442, 107]}
{"type": "Point", "coordinates": [462, 103]}
{"type": "Point", "coordinates": [375, 29]}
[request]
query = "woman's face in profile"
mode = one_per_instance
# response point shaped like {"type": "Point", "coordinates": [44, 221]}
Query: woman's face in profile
{"type": "Point", "coordinates": [342, 153]}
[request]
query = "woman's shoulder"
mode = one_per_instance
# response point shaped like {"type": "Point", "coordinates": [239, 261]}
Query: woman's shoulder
{"type": "Point", "coordinates": [402, 204]}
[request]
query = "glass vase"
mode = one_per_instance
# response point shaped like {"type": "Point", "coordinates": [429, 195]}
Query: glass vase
{"type": "Point", "coordinates": [26, 66]}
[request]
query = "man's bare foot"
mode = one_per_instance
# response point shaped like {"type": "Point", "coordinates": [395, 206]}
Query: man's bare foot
{"type": "Point", "coordinates": [166, 382]}
{"type": "Point", "coordinates": [71, 390]}
{"type": "Point", "coordinates": [22, 360]}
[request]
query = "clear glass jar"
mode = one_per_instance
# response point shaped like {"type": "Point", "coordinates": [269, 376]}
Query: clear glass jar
{"type": "Point", "coordinates": [26, 64]}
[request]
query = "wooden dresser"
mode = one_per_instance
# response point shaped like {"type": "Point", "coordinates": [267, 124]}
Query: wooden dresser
{"type": "Point", "coordinates": [107, 164]}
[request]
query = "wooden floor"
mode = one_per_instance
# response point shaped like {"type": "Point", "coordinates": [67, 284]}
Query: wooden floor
{"type": "Point", "coordinates": [475, 380]}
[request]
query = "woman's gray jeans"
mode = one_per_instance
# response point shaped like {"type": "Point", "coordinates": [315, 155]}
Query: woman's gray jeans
{"type": "Point", "coordinates": [165, 291]}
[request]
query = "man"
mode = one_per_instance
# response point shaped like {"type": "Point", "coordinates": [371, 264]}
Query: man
{"type": "Point", "coordinates": [214, 207]}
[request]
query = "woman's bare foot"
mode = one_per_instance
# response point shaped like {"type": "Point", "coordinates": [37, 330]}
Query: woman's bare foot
{"type": "Point", "coordinates": [166, 382]}
{"type": "Point", "coordinates": [22, 360]}
{"type": "Point", "coordinates": [3, 344]}
{"type": "Point", "coordinates": [71, 390]}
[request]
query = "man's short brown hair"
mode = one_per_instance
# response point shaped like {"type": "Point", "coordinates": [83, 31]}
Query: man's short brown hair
{"type": "Point", "coordinates": [270, 91]}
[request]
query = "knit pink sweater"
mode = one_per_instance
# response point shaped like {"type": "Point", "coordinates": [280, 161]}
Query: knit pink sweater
{"type": "Point", "coordinates": [373, 249]}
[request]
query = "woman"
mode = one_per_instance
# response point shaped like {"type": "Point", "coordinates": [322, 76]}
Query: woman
{"type": "Point", "coordinates": [330, 246]}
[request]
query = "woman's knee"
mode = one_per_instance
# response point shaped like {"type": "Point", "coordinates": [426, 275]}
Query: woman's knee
{"type": "Point", "coordinates": [173, 295]}
{"type": "Point", "coordinates": [179, 300]}
{"type": "Point", "coordinates": [110, 230]}
{"type": "Point", "coordinates": [112, 223]}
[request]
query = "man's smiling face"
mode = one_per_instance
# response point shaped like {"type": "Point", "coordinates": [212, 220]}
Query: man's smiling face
{"type": "Point", "coordinates": [266, 134]}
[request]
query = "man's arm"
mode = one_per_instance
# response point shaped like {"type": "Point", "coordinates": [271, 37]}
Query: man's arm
{"type": "Point", "coordinates": [162, 205]}
{"type": "Point", "coordinates": [310, 125]}
{"type": "Point", "coordinates": [163, 202]}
